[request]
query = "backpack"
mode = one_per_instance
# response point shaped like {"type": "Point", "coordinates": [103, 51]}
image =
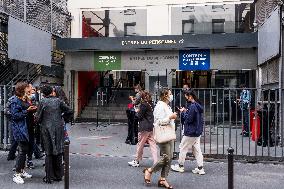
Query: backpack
{"type": "Point", "coordinates": [7, 109]}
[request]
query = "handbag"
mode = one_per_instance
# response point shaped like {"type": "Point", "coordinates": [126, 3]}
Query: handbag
{"type": "Point", "coordinates": [164, 133]}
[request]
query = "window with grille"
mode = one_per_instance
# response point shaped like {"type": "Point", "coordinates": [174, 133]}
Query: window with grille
{"type": "Point", "coordinates": [218, 25]}
{"type": "Point", "coordinates": [216, 8]}
{"type": "Point", "coordinates": [129, 29]}
{"type": "Point", "coordinates": [188, 9]}
{"type": "Point", "coordinates": [188, 26]}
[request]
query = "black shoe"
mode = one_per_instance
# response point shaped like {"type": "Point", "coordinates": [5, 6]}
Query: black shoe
{"type": "Point", "coordinates": [11, 157]}
{"type": "Point", "coordinates": [47, 181]}
{"type": "Point", "coordinates": [146, 145]}
{"type": "Point", "coordinates": [127, 142]}
{"type": "Point", "coordinates": [133, 143]}
{"type": "Point", "coordinates": [30, 165]}
{"type": "Point", "coordinates": [58, 179]}
{"type": "Point", "coordinates": [245, 134]}
{"type": "Point", "coordinates": [41, 155]}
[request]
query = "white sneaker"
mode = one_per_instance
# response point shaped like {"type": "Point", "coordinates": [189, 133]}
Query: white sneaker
{"type": "Point", "coordinates": [198, 171]}
{"type": "Point", "coordinates": [24, 174]}
{"type": "Point", "coordinates": [177, 168]}
{"type": "Point", "coordinates": [133, 163]}
{"type": "Point", "coordinates": [18, 179]}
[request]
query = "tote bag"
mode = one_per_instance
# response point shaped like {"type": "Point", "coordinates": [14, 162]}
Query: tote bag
{"type": "Point", "coordinates": [164, 133]}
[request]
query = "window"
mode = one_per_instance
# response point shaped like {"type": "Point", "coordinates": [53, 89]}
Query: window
{"type": "Point", "coordinates": [188, 26]}
{"type": "Point", "coordinates": [129, 12]}
{"type": "Point", "coordinates": [216, 8]}
{"type": "Point", "coordinates": [129, 29]}
{"type": "Point", "coordinates": [88, 21]}
{"type": "Point", "coordinates": [188, 9]}
{"type": "Point", "coordinates": [218, 25]}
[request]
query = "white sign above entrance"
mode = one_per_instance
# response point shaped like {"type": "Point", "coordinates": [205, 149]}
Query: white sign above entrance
{"type": "Point", "coordinates": [150, 60]}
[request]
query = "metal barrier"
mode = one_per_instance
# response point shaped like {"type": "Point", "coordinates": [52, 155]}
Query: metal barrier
{"type": "Point", "coordinates": [224, 121]}
{"type": "Point", "coordinates": [101, 98]}
{"type": "Point", "coordinates": [4, 126]}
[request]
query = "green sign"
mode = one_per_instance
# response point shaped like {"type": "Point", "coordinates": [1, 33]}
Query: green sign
{"type": "Point", "coordinates": [107, 61]}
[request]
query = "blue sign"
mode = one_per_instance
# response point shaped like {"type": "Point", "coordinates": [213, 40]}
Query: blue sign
{"type": "Point", "coordinates": [194, 59]}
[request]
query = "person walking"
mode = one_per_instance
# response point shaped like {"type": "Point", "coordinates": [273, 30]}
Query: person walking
{"type": "Point", "coordinates": [193, 128]}
{"type": "Point", "coordinates": [145, 129]}
{"type": "Point", "coordinates": [163, 116]}
{"type": "Point", "coordinates": [49, 117]}
{"type": "Point", "coordinates": [20, 130]}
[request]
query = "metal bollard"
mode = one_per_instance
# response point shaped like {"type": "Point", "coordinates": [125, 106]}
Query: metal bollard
{"type": "Point", "coordinates": [97, 117]}
{"type": "Point", "coordinates": [66, 164]}
{"type": "Point", "coordinates": [230, 168]}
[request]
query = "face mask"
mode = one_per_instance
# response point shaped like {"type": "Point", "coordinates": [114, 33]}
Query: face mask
{"type": "Point", "coordinates": [32, 97]}
{"type": "Point", "coordinates": [171, 98]}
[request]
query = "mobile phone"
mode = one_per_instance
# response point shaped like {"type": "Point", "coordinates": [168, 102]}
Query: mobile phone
{"type": "Point", "coordinates": [177, 109]}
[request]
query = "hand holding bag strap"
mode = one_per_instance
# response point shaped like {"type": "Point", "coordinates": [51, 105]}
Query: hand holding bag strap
{"type": "Point", "coordinates": [163, 134]}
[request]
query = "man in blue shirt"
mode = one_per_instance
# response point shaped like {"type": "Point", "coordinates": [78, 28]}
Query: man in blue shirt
{"type": "Point", "coordinates": [245, 100]}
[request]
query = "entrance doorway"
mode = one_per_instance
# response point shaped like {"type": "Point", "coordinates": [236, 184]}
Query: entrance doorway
{"type": "Point", "coordinates": [122, 79]}
{"type": "Point", "coordinates": [194, 79]}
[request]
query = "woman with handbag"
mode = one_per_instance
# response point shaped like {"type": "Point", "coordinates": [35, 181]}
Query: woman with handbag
{"type": "Point", "coordinates": [145, 128]}
{"type": "Point", "coordinates": [164, 134]}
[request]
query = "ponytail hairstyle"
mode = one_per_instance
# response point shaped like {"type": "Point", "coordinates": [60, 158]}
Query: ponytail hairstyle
{"type": "Point", "coordinates": [164, 94]}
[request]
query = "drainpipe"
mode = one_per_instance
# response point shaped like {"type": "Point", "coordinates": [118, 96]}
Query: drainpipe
{"type": "Point", "coordinates": [281, 77]}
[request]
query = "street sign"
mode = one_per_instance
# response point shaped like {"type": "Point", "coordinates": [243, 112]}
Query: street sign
{"type": "Point", "coordinates": [105, 61]}
{"type": "Point", "coordinates": [196, 59]}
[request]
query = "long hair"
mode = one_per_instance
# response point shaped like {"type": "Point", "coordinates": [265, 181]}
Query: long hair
{"type": "Point", "coordinates": [146, 97]}
{"type": "Point", "coordinates": [60, 94]}
{"type": "Point", "coordinates": [193, 94]}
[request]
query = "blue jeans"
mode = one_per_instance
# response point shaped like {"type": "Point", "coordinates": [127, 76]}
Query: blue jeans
{"type": "Point", "coordinates": [246, 119]}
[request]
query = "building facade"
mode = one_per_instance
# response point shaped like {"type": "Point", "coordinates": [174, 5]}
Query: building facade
{"type": "Point", "coordinates": [29, 31]}
{"type": "Point", "coordinates": [153, 44]}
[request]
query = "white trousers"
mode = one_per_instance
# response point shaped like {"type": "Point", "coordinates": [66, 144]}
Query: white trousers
{"type": "Point", "coordinates": [188, 143]}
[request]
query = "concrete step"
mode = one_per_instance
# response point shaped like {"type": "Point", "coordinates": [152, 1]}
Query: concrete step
{"type": "Point", "coordinates": [92, 108]}
{"type": "Point", "coordinates": [117, 104]}
{"type": "Point", "coordinates": [81, 120]}
{"type": "Point", "coordinates": [104, 116]}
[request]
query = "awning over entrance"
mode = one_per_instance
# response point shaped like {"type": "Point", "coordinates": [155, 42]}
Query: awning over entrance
{"type": "Point", "coordinates": [173, 42]}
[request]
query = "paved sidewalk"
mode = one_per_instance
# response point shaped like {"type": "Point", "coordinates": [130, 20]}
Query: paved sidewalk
{"type": "Point", "coordinates": [99, 161]}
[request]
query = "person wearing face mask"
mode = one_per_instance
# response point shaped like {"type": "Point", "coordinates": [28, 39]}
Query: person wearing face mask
{"type": "Point", "coordinates": [33, 148]}
{"type": "Point", "coordinates": [193, 128]}
{"type": "Point", "coordinates": [18, 121]}
{"type": "Point", "coordinates": [163, 115]}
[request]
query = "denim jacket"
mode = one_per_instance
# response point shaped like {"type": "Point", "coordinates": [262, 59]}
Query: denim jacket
{"type": "Point", "coordinates": [18, 121]}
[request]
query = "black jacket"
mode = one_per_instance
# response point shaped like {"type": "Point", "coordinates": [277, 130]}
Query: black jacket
{"type": "Point", "coordinates": [145, 117]}
{"type": "Point", "coordinates": [49, 116]}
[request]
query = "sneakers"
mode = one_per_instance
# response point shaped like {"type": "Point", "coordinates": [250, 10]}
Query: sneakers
{"type": "Point", "coordinates": [30, 165]}
{"type": "Point", "coordinates": [133, 163]}
{"type": "Point", "coordinates": [198, 171]}
{"type": "Point", "coordinates": [17, 178]}
{"type": "Point", "coordinates": [26, 175]}
{"type": "Point", "coordinates": [177, 168]}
